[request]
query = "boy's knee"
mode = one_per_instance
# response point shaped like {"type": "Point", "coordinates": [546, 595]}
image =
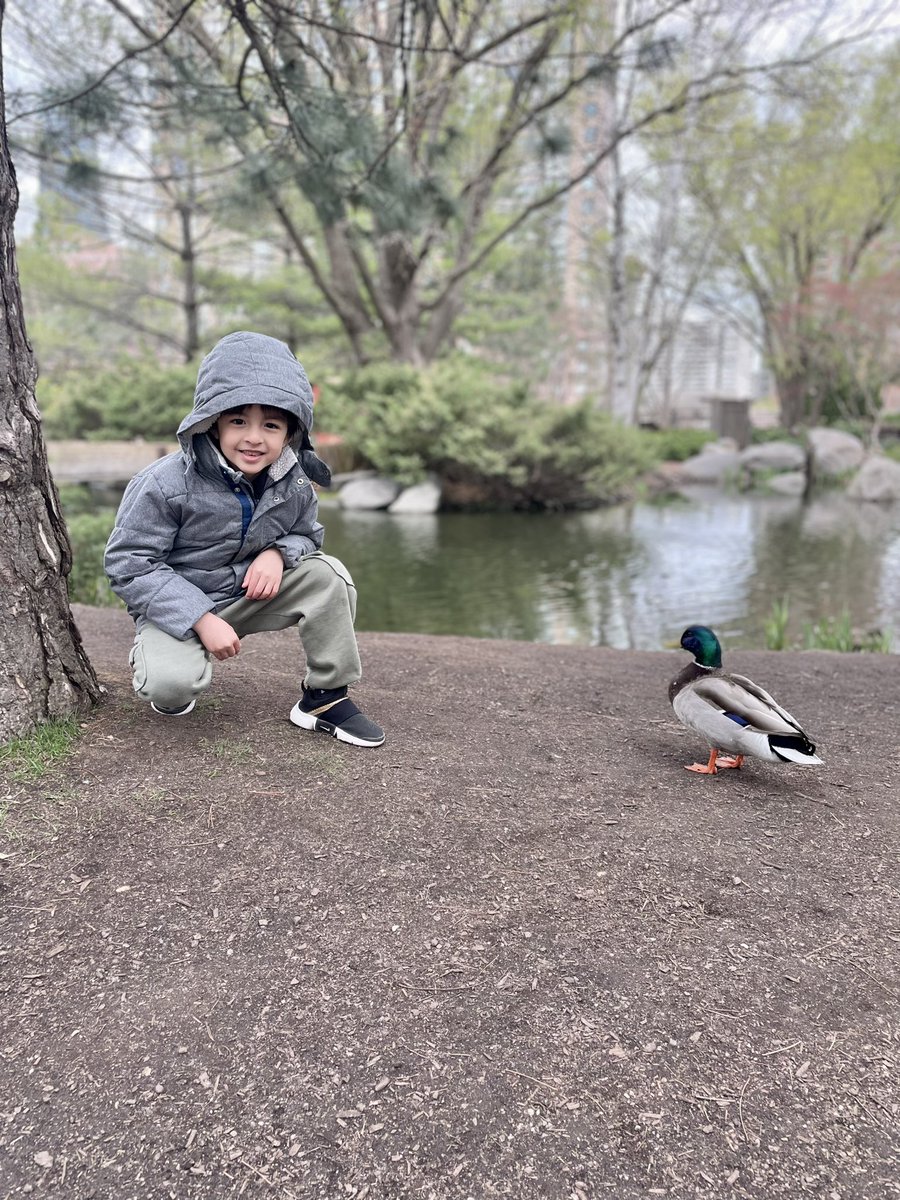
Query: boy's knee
{"type": "Point", "coordinates": [341, 586]}
{"type": "Point", "coordinates": [323, 583]}
{"type": "Point", "coordinates": [169, 680]}
{"type": "Point", "coordinates": [329, 572]}
{"type": "Point", "coordinates": [171, 693]}
{"type": "Point", "coordinates": [169, 689]}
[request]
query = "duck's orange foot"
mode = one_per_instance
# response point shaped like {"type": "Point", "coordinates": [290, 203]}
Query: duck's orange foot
{"type": "Point", "coordinates": [705, 768]}
{"type": "Point", "coordinates": [735, 762]}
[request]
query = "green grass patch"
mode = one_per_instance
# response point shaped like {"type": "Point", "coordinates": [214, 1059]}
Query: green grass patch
{"type": "Point", "coordinates": [29, 758]}
{"type": "Point", "coordinates": [238, 753]}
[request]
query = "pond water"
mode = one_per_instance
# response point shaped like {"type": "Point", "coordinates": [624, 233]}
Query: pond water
{"type": "Point", "coordinates": [631, 577]}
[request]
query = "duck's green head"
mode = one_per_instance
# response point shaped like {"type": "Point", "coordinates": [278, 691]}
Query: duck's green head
{"type": "Point", "coordinates": [703, 644]}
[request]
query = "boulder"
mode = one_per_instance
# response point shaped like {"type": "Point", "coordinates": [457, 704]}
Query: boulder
{"type": "Point", "coordinates": [788, 483]}
{"type": "Point", "coordinates": [712, 465]}
{"type": "Point", "coordinates": [422, 497]}
{"type": "Point", "coordinates": [371, 493]}
{"type": "Point", "coordinates": [340, 479]}
{"type": "Point", "coordinates": [834, 452]}
{"type": "Point", "coordinates": [774, 456]}
{"type": "Point", "coordinates": [878, 479]}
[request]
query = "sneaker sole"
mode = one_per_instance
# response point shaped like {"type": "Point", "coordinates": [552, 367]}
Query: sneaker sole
{"type": "Point", "coordinates": [183, 712]}
{"type": "Point", "coordinates": [310, 721]}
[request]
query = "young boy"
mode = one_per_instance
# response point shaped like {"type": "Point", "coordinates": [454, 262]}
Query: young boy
{"type": "Point", "coordinates": [221, 539]}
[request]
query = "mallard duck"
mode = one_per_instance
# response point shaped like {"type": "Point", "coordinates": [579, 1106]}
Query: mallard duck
{"type": "Point", "coordinates": [732, 712]}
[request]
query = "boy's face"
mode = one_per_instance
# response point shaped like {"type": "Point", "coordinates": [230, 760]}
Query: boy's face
{"type": "Point", "coordinates": [253, 439]}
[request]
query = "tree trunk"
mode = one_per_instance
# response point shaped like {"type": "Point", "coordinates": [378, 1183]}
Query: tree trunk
{"type": "Point", "coordinates": [621, 390]}
{"type": "Point", "coordinates": [443, 320]}
{"type": "Point", "coordinates": [44, 671]}
{"type": "Point", "coordinates": [398, 304]}
{"type": "Point", "coordinates": [792, 389]}
{"type": "Point", "coordinates": [190, 301]}
{"type": "Point", "coordinates": [344, 286]}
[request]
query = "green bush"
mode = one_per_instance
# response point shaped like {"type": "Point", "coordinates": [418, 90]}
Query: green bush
{"type": "Point", "coordinates": [858, 426]}
{"type": "Point", "coordinates": [88, 533]}
{"type": "Point", "coordinates": [77, 498]}
{"type": "Point", "coordinates": [578, 455]}
{"type": "Point", "coordinates": [676, 445]}
{"type": "Point", "coordinates": [138, 398]}
{"type": "Point", "coordinates": [774, 433]}
{"type": "Point", "coordinates": [486, 439]}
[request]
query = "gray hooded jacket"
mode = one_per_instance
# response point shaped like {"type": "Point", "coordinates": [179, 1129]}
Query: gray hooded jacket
{"type": "Point", "coordinates": [177, 550]}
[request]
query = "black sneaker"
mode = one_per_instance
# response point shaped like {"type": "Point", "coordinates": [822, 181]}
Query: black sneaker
{"type": "Point", "coordinates": [174, 712]}
{"type": "Point", "coordinates": [329, 710]}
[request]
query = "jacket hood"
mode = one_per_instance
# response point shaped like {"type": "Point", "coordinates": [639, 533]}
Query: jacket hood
{"type": "Point", "coordinates": [252, 368]}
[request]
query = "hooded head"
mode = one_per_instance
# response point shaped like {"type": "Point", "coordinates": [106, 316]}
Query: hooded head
{"type": "Point", "coordinates": [251, 368]}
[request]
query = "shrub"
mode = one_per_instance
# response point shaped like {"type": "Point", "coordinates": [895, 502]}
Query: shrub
{"type": "Point", "coordinates": [676, 445]}
{"type": "Point", "coordinates": [88, 533]}
{"type": "Point", "coordinates": [484, 437]}
{"type": "Point", "coordinates": [138, 398]}
{"type": "Point", "coordinates": [570, 457]}
{"type": "Point", "coordinates": [774, 433]}
{"type": "Point", "coordinates": [76, 499]}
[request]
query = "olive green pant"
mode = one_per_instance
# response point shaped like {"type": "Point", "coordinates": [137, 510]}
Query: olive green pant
{"type": "Point", "coordinates": [318, 596]}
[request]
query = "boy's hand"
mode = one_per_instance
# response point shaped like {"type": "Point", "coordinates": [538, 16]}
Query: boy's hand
{"type": "Point", "coordinates": [263, 578]}
{"type": "Point", "coordinates": [217, 636]}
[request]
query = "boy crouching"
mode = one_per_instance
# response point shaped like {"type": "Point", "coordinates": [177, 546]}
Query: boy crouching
{"type": "Point", "coordinates": [220, 540]}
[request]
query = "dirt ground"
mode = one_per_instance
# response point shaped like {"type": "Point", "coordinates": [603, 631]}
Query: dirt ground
{"type": "Point", "coordinates": [518, 951]}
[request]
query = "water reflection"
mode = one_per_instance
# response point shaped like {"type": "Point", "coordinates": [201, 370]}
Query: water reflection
{"type": "Point", "coordinates": [629, 577]}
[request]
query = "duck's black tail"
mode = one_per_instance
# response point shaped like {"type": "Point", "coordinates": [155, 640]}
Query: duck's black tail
{"type": "Point", "coordinates": [794, 747]}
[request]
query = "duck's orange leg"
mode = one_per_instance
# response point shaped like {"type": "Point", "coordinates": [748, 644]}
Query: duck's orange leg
{"type": "Point", "coordinates": [735, 762]}
{"type": "Point", "coordinates": [709, 768]}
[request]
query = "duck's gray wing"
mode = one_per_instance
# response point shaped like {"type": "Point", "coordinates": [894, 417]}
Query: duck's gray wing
{"type": "Point", "coordinates": [751, 704]}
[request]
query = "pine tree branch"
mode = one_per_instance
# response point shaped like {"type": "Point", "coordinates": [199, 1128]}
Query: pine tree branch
{"type": "Point", "coordinates": [128, 56]}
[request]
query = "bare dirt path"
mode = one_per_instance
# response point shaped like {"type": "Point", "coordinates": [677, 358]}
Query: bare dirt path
{"type": "Point", "coordinates": [518, 951]}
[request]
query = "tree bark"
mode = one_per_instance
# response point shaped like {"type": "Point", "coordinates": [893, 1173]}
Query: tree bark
{"type": "Point", "coordinates": [44, 671]}
{"type": "Point", "coordinates": [621, 391]}
{"type": "Point", "coordinates": [791, 387]}
{"type": "Point", "coordinates": [190, 301]}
